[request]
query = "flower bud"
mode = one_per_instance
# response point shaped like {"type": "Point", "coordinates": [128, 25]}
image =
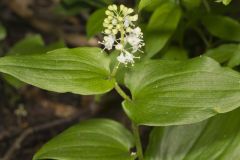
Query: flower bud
{"type": "Point", "coordinates": [129, 29]}
{"type": "Point", "coordinates": [114, 21]}
{"type": "Point", "coordinates": [129, 11]}
{"type": "Point", "coordinates": [107, 31]}
{"type": "Point", "coordinates": [120, 18]}
{"type": "Point", "coordinates": [110, 8]}
{"type": "Point", "coordinates": [122, 7]}
{"type": "Point", "coordinates": [114, 31]}
{"type": "Point", "coordinates": [115, 7]}
{"type": "Point", "coordinates": [105, 24]}
{"type": "Point", "coordinates": [119, 26]}
{"type": "Point", "coordinates": [108, 13]}
{"type": "Point", "coordinates": [134, 18]}
{"type": "Point", "coordinates": [119, 47]}
{"type": "Point", "coordinates": [110, 26]}
{"type": "Point", "coordinates": [110, 18]}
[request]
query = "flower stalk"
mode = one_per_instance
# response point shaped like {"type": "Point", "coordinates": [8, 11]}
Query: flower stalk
{"type": "Point", "coordinates": [122, 35]}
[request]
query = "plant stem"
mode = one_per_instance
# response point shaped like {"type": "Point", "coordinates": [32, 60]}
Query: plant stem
{"type": "Point", "coordinates": [121, 92]}
{"type": "Point", "coordinates": [138, 141]}
{"type": "Point", "coordinates": [207, 6]}
{"type": "Point", "coordinates": [115, 70]}
{"type": "Point", "coordinates": [134, 126]}
{"type": "Point", "coordinates": [201, 34]}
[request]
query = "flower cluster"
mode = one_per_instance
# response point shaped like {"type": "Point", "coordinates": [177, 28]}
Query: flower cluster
{"type": "Point", "coordinates": [121, 33]}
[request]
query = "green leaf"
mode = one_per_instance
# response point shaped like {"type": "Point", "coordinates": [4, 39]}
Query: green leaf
{"type": "Point", "coordinates": [191, 4]}
{"type": "Point", "coordinates": [143, 3]}
{"type": "Point", "coordinates": [229, 53]}
{"type": "Point", "coordinates": [173, 93]}
{"type": "Point", "coordinates": [222, 53]}
{"type": "Point", "coordinates": [235, 59]}
{"type": "Point", "coordinates": [162, 25]}
{"type": "Point", "coordinates": [222, 27]}
{"type": "Point", "coordinates": [151, 5]}
{"type": "Point", "coordinates": [215, 139]}
{"type": "Point", "coordinates": [99, 139]}
{"type": "Point", "coordinates": [175, 53]}
{"type": "Point", "coordinates": [32, 44]}
{"type": "Point", "coordinates": [3, 32]}
{"type": "Point", "coordinates": [80, 70]}
{"type": "Point", "coordinates": [95, 22]}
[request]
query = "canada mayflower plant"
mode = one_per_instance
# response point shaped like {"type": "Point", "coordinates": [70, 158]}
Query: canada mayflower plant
{"type": "Point", "coordinates": [190, 104]}
{"type": "Point", "coordinates": [122, 34]}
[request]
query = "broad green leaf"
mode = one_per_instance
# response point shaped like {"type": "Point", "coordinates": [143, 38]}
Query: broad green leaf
{"type": "Point", "coordinates": [162, 25]}
{"type": "Point", "coordinates": [173, 93]}
{"type": "Point", "coordinates": [80, 70]}
{"type": "Point", "coordinates": [191, 4]}
{"type": "Point", "coordinates": [99, 139]}
{"type": "Point", "coordinates": [235, 59]}
{"type": "Point", "coordinates": [229, 53]}
{"type": "Point", "coordinates": [143, 3]}
{"type": "Point", "coordinates": [175, 53]}
{"type": "Point", "coordinates": [151, 5]}
{"type": "Point", "coordinates": [3, 32]}
{"type": "Point", "coordinates": [214, 139]}
{"type": "Point", "coordinates": [32, 44]}
{"type": "Point", "coordinates": [95, 22]}
{"type": "Point", "coordinates": [222, 53]}
{"type": "Point", "coordinates": [222, 27]}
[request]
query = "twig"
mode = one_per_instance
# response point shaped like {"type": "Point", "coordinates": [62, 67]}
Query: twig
{"type": "Point", "coordinates": [9, 133]}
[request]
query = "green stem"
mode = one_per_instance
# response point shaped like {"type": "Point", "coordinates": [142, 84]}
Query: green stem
{"type": "Point", "coordinates": [134, 126]}
{"type": "Point", "coordinates": [138, 141]}
{"type": "Point", "coordinates": [115, 70]}
{"type": "Point", "coordinates": [207, 6]}
{"type": "Point", "coordinates": [121, 92]}
{"type": "Point", "coordinates": [201, 34]}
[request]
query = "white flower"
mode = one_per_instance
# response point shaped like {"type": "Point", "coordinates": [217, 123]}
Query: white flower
{"type": "Point", "coordinates": [127, 22]}
{"type": "Point", "coordinates": [121, 58]}
{"type": "Point", "coordinates": [135, 39]}
{"type": "Point", "coordinates": [121, 32]}
{"type": "Point", "coordinates": [119, 47]}
{"type": "Point", "coordinates": [137, 31]}
{"type": "Point", "coordinates": [108, 42]}
{"type": "Point", "coordinates": [126, 57]}
{"type": "Point", "coordinates": [129, 57]}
